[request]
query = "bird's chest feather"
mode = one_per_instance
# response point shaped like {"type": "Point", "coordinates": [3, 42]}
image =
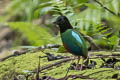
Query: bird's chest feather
{"type": "Point", "coordinates": [72, 42]}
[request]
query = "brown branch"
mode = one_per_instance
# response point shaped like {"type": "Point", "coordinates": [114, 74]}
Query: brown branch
{"type": "Point", "coordinates": [93, 45]}
{"type": "Point", "coordinates": [79, 76]}
{"type": "Point", "coordinates": [47, 46]}
{"type": "Point", "coordinates": [90, 40]}
{"type": "Point", "coordinates": [38, 70]}
{"type": "Point", "coordinates": [105, 56]}
{"type": "Point", "coordinates": [21, 52]}
{"type": "Point", "coordinates": [107, 9]}
{"type": "Point", "coordinates": [53, 64]}
{"type": "Point", "coordinates": [16, 53]}
{"type": "Point", "coordinates": [109, 55]}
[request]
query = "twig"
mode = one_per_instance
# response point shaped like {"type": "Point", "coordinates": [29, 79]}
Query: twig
{"type": "Point", "coordinates": [41, 48]}
{"type": "Point", "coordinates": [16, 53]}
{"type": "Point", "coordinates": [38, 70]}
{"type": "Point", "coordinates": [48, 46]}
{"type": "Point", "coordinates": [90, 40]}
{"type": "Point", "coordinates": [98, 72]}
{"type": "Point", "coordinates": [105, 56]}
{"type": "Point", "coordinates": [53, 64]}
{"type": "Point", "coordinates": [109, 55]}
{"type": "Point", "coordinates": [107, 8]}
{"type": "Point", "coordinates": [76, 76]}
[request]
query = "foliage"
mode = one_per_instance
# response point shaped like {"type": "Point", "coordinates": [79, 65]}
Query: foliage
{"type": "Point", "coordinates": [85, 15]}
{"type": "Point", "coordinates": [90, 17]}
{"type": "Point", "coordinates": [35, 34]}
{"type": "Point", "coordinates": [21, 7]}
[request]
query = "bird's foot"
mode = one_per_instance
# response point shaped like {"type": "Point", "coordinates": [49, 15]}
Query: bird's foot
{"type": "Point", "coordinates": [78, 67]}
{"type": "Point", "coordinates": [74, 66]}
{"type": "Point", "coordinates": [81, 67]}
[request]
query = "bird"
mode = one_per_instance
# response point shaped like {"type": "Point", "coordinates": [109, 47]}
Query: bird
{"type": "Point", "coordinates": [71, 38]}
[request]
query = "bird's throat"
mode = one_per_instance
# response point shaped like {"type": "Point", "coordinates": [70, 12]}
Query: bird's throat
{"type": "Point", "coordinates": [64, 28]}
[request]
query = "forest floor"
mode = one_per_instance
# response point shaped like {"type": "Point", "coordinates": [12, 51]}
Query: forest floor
{"type": "Point", "coordinates": [54, 66]}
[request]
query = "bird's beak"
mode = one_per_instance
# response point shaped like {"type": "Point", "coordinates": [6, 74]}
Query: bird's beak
{"type": "Point", "coordinates": [54, 22]}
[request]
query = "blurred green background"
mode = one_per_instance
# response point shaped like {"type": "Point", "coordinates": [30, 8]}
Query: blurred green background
{"type": "Point", "coordinates": [30, 21]}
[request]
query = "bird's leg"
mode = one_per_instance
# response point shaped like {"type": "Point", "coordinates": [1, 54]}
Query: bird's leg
{"type": "Point", "coordinates": [81, 64]}
{"type": "Point", "coordinates": [73, 59]}
{"type": "Point", "coordinates": [84, 58]}
{"type": "Point", "coordinates": [77, 63]}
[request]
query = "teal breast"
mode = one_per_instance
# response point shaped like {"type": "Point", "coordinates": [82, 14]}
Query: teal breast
{"type": "Point", "coordinates": [74, 42]}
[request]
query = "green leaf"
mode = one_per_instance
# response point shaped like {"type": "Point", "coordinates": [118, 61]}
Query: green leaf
{"type": "Point", "coordinates": [81, 1]}
{"type": "Point", "coordinates": [36, 13]}
{"type": "Point", "coordinates": [61, 49]}
{"type": "Point", "coordinates": [36, 35]}
{"type": "Point", "coordinates": [90, 5]}
{"type": "Point", "coordinates": [116, 5]}
{"type": "Point", "coordinates": [114, 40]}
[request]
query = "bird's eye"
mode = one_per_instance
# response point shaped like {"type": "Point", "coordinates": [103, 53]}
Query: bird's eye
{"type": "Point", "coordinates": [60, 20]}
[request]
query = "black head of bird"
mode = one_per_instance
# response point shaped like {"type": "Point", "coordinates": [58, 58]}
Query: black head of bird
{"type": "Point", "coordinates": [63, 23]}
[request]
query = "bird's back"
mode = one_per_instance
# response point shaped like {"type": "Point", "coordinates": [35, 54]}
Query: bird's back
{"type": "Point", "coordinates": [74, 42]}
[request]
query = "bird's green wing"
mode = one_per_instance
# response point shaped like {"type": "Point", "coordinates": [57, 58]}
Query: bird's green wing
{"type": "Point", "coordinates": [80, 42]}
